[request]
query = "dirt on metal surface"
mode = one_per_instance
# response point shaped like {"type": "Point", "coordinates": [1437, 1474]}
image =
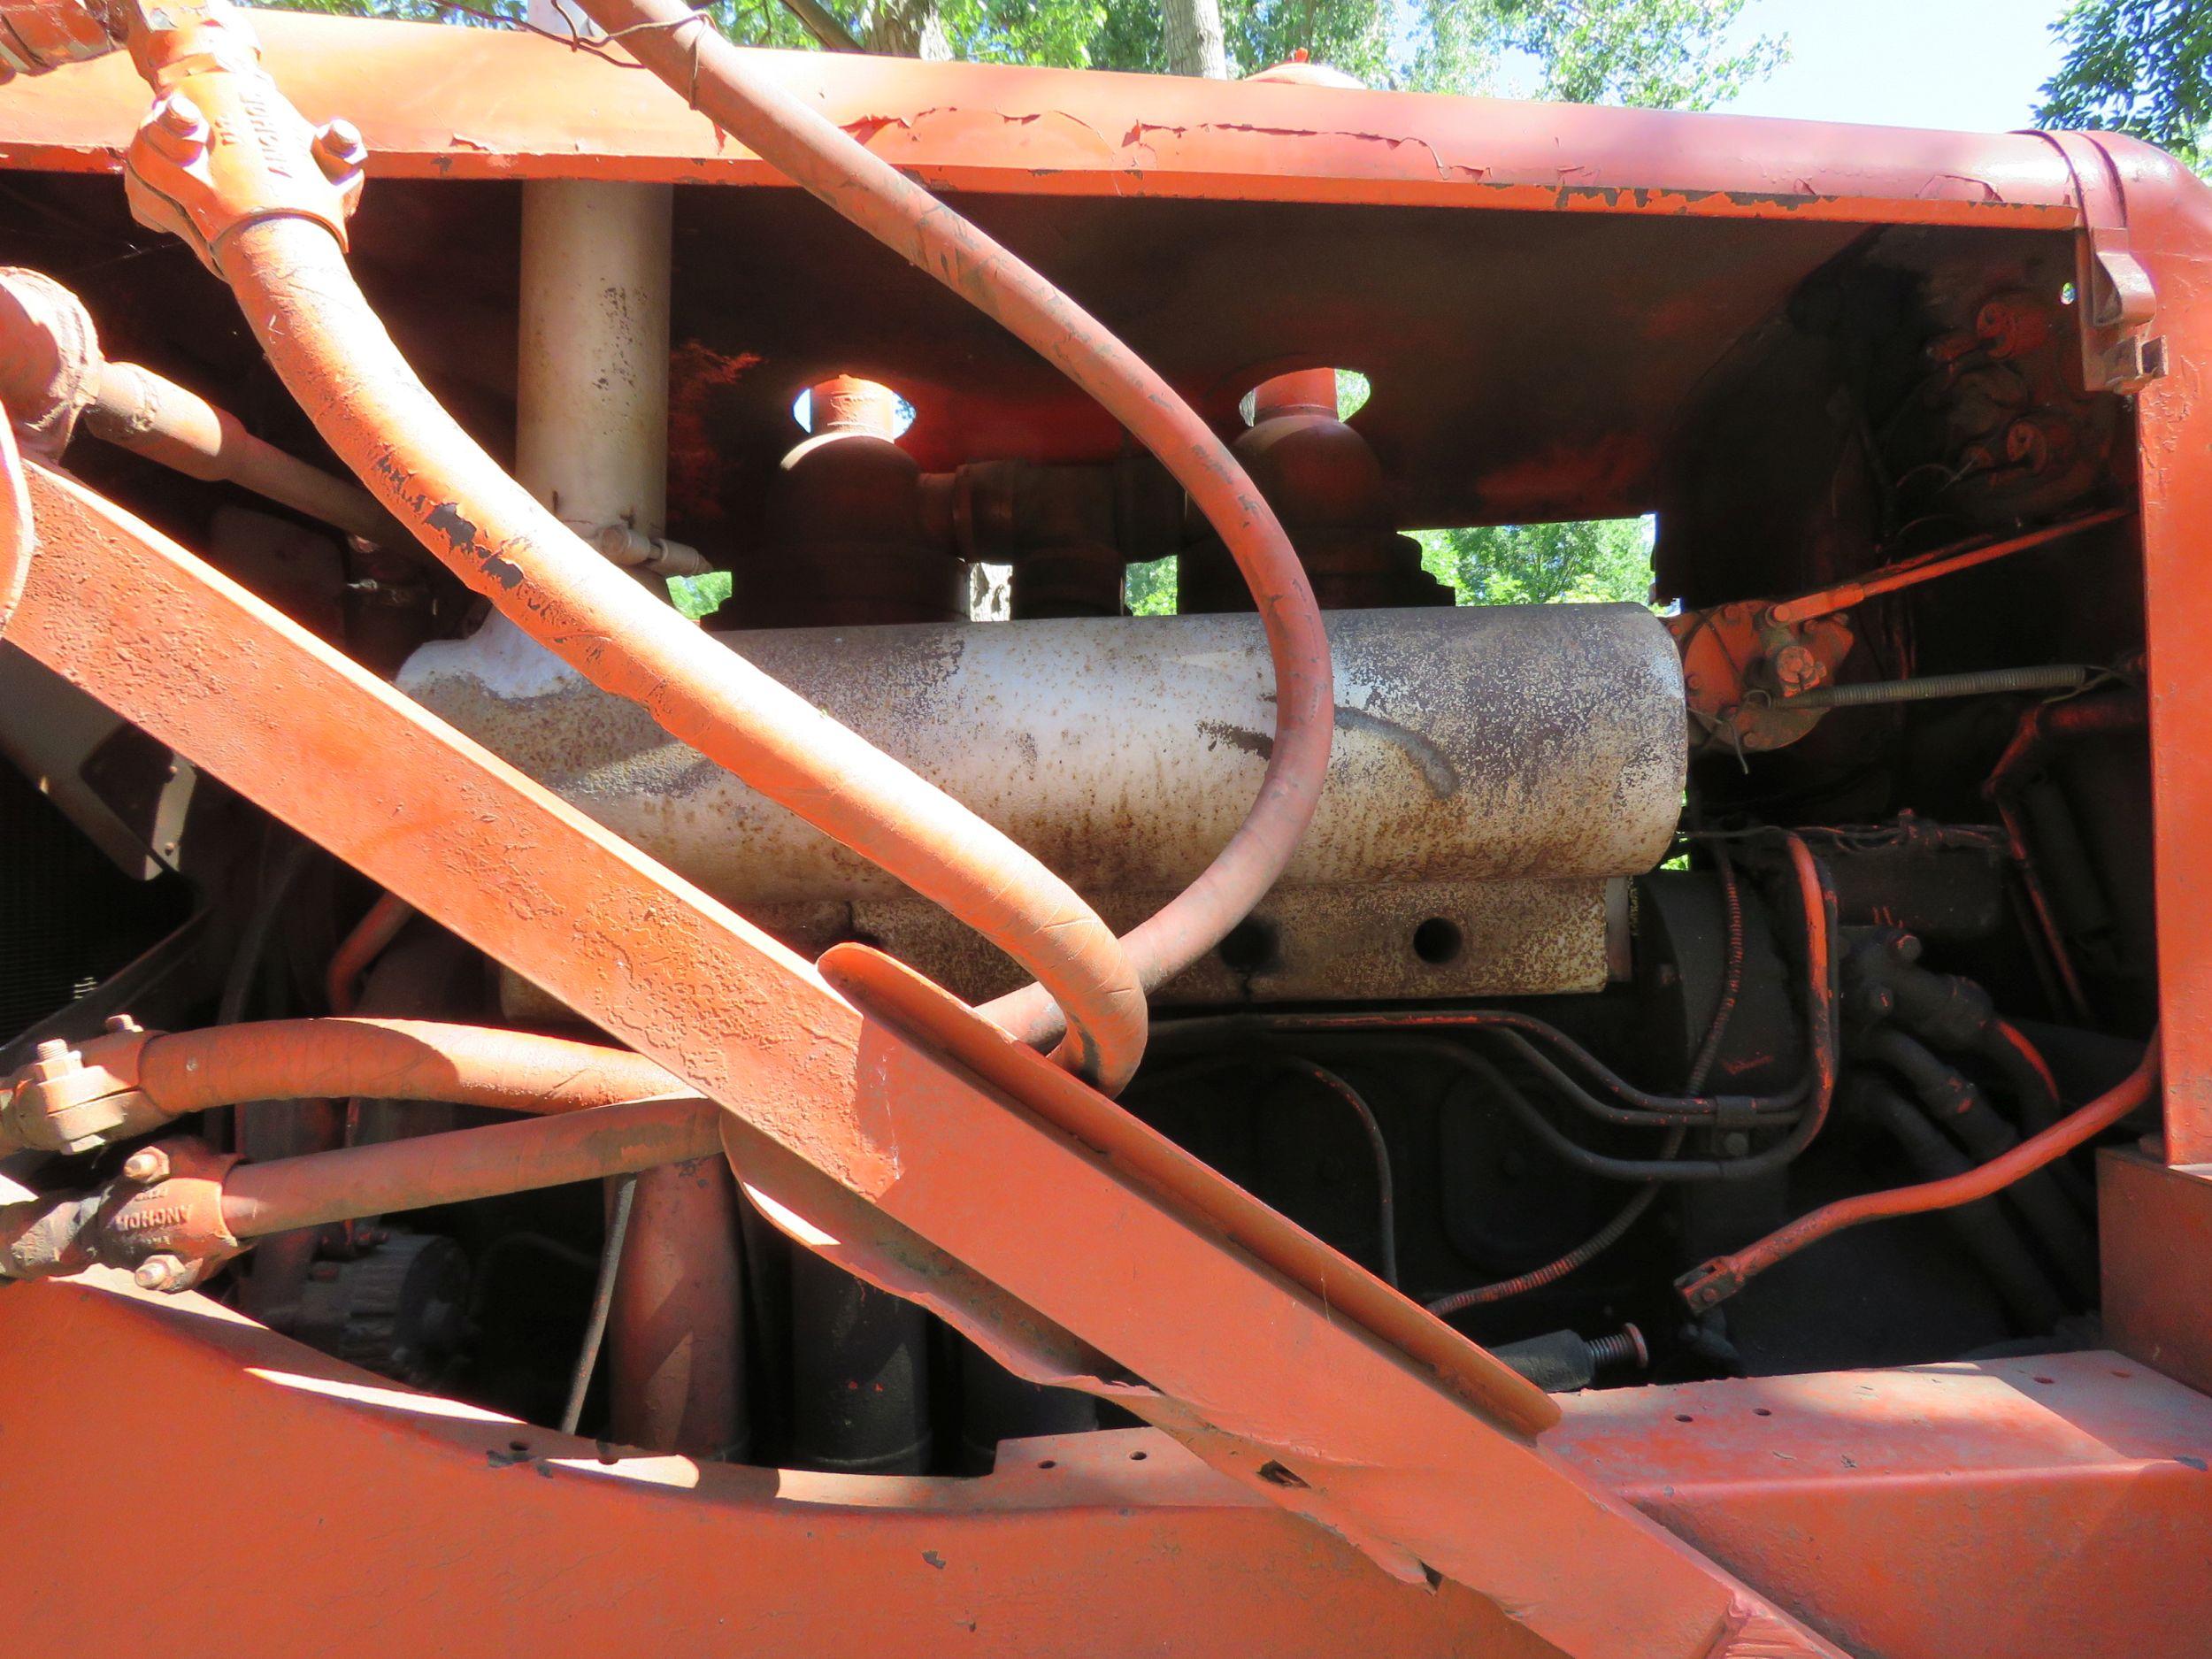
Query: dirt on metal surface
{"type": "Point", "coordinates": [1475, 744]}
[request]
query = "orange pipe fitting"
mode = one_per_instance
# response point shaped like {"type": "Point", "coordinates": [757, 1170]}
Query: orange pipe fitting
{"type": "Point", "coordinates": [722, 84]}
{"type": "Point", "coordinates": [300, 299]}
{"type": "Point", "coordinates": [1724, 1275]}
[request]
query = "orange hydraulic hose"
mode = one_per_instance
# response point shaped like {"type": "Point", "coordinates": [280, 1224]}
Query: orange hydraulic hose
{"type": "Point", "coordinates": [390, 1059]}
{"type": "Point", "coordinates": [392, 1176]}
{"type": "Point", "coordinates": [292, 280]}
{"type": "Point", "coordinates": [362, 946]}
{"type": "Point", "coordinates": [1724, 1275]}
{"type": "Point", "coordinates": [723, 84]}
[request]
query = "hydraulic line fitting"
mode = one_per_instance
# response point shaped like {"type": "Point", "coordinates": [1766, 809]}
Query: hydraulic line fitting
{"type": "Point", "coordinates": [222, 146]}
{"type": "Point", "coordinates": [161, 1220]}
{"type": "Point", "coordinates": [74, 1099]}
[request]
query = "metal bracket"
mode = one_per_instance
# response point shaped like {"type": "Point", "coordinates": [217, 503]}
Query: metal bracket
{"type": "Point", "coordinates": [2118, 302]}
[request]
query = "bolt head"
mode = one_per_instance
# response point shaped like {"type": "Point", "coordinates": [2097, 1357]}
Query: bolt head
{"type": "Point", "coordinates": [1796, 668]}
{"type": "Point", "coordinates": [160, 1272]}
{"type": "Point", "coordinates": [339, 149]}
{"type": "Point", "coordinates": [146, 1165]}
{"type": "Point", "coordinates": [122, 1025]}
{"type": "Point", "coordinates": [181, 118]}
{"type": "Point", "coordinates": [55, 1058]}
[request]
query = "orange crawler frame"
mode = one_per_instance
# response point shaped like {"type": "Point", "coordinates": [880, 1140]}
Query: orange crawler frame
{"type": "Point", "coordinates": [1328, 1470]}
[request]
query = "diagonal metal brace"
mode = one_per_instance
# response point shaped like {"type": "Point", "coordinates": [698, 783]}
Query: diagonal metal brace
{"type": "Point", "coordinates": [898, 1134]}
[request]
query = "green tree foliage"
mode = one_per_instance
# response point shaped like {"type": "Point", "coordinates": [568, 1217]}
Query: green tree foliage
{"type": "Point", "coordinates": [1543, 564]}
{"type": "Point", "coordinates": [2139, 66]}
{"type": "Point", "coordinates": [1663, 53]}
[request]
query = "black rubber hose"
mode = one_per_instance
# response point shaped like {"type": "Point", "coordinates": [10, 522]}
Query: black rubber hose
{"type": "Point", "coordinates": [1982, 1226]}
{"type": "Point", "coordinates": [1958, 1106]}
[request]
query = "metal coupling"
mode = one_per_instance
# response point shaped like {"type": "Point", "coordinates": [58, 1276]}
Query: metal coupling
{"type": "Point", "coordinates": [74, 1099]}
{"type": "Point", "coordinates": [160, 1220]}
{"type": "Point", "coordinates": [627, 546]}
{"type": "Point", "coordinates": [222, 146]}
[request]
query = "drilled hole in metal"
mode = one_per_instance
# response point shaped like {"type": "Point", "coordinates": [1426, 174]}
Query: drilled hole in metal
{"type": "Point", "coordinates": [1438, 941]}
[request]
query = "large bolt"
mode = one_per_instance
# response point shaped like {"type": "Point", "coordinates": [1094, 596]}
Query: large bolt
{"type": "Point", "coordinates": [146, 1166]}
{"type": "Point", "coordinates": [339, 149]}
{"type": "Point", "coordinates": [160, 1272]}
{"type": "Point", "coordinates": [1796, 668]}
{"type": "Point", "coordinates": [178, 129]}
{"type": "Point", "coordinates": [53, 1058]}
{"type": "Point", "coordinates": [178, 115]}
{"type": "Point", "coordinates": [1625, 1346]}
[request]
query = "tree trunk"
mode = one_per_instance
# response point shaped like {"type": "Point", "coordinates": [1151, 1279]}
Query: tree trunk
{"type": "Point", "coordinates": [908, 28]}
{"type": "Point", "coordinates": [1195, 44]}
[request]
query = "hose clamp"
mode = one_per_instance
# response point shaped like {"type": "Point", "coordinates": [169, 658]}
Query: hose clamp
{"type": "Point", "coordinates": [72, 1099]}
{"type": "Point", "coordinates": [222, 146]}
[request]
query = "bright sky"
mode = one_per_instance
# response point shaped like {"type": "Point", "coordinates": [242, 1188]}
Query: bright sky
{"type": "Point", "coordinates": [1974, 65]}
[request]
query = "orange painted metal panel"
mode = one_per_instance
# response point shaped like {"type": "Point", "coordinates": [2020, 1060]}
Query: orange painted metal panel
{"type": "Point", "coordinates": [1075, 1257]}
{"type": "Point", "coordinates": [2166, 212]}
{"type": "Point", "coordinates": [1917, 1514]}
{"type": "Point", "coordinates": [383, 1523]}
{"type": "Point", "coordinates": [2154, 1227]}
{"type": "Point", "coordinates": [2047, 1507]}
{"type": "Point", "coordinates": [472, 102]}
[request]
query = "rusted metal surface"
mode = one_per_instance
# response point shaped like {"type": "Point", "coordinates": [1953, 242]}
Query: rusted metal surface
{"type": "Point", "coordinates": [1741, 668]}
{"type": "Point", "coordinates": [1935, 1512]}
{"type": "Point", "coordinates": [1400, 940]}
{"type": "Point", "coordinates": [2164, 215]}
{"type": "Point", "coordinates": [2155, 1237]}
{"type": "Point", "coordinates": [1324, 481]}
{"type": "Point", "coordinates": [128, 1081]}
{"type": "Point", "coordinates": [842, 536]}
{"type": "Point", "coordinates": [160, 1218]}
{"type": "Point", "coordinates": [1638, 290]}
{"type": "Point", "coordinates": [828, 1106]}
{"type": "Point", "coordinates": [509, 1525]}
{"type": "Point", "coordinates": [1471, 744]}
{"type": "Point", "coordinates": [53, 377]}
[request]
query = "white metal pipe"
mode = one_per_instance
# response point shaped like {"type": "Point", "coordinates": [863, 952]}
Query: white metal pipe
{"type": "Point", "coordinates": [592, 382]}
{"type": "Point", "coordinates": [1474, 744]}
